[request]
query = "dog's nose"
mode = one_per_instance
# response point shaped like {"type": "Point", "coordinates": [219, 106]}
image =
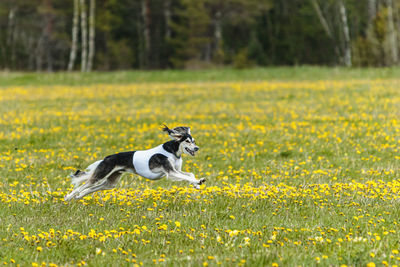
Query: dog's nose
{"type": "Point", "coordinates": [196, 149]}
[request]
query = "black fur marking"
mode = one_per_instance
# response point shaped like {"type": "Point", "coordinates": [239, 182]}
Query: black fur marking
{"type": "Point", "coordinates": [184, 137]}
{"type": "Point", "coordinates": [172, 147]}
{"type": "Point", "coordinates": [166, 129]}
{"type": "Point", "coordinates": [159, 160]}
{"type": "Point", "coordinates": [182, 130]}
{"type": "Point", "coordinates": [179, 130]}
{"type": "Point", "coordinates": [113, 178]}
{"type": "Point", "coordinates": [77, 174]}
{"type": "Point", "coordinates": [124, 160]}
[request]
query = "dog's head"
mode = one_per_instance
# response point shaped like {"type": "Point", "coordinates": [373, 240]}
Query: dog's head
{"type": "Point", "coordinates": [182, 135]}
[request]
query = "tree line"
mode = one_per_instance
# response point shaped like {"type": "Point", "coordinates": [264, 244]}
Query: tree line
{"type": "Point", "coordinates": [85, 35]}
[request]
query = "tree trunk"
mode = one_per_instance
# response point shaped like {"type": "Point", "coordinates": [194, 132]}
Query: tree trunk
{"type": "Point", "coordinates": [392, 34]}
{"type": "Point", "coordinates": [11, 36]}
{"type": "Point", "coordinates": [217, 32]}
{"type": "Point", "coordinates": [346, 35]}
{"type": "Point", "coordinates": [75, 28]}
{"type": "Point", "coordinates": [91, 34]}
{"type": "Point", "coordinates": [31, 58]}
{"type": "Point", "coordinates": [167, 17]}
{"type": "Point", "coordinates": [326, 27]}
{"type": "Point", "coordinates": [141, 45]}
{"type": "Point", "coordinates": [322, 19]}
{"type": "Point", "coordinates": [146, 31]}
{"type": "Point", "coordinates": [49, 20]}
{"type": "Point", "coordinates": [39, 52]}
{"type": "Point", "coordinates": [371, 10]}
{"type": "Point", "coordinates": [84, 36]}
{"type": "Point", "coordinates": [11, 24]}
{"type": "Point", "coordinates": [2, 53]}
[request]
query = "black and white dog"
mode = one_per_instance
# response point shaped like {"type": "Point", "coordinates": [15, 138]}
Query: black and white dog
{"type": "Point", "coordinates": [164, 160]}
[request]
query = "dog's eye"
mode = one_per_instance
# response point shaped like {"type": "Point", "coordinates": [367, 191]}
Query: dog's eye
{"type": "Point", "coordinates": [187, 141]}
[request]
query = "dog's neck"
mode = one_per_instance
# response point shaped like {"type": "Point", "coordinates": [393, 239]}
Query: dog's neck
{"type": "Point", "coordinates": [173, 147]}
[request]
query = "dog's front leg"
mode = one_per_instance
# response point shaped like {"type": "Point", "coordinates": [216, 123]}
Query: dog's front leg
{"type": "Point", "coordinates": [200, 181]}
{"type": "Point", "coordinates": [189, 177]}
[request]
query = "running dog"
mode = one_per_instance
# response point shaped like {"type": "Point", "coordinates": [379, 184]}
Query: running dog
{"type": "Point", "coordinates": [161, 161]}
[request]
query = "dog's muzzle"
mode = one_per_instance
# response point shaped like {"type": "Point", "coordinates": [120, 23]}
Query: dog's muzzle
{"type": "Point", "coordinates": [192, 152]}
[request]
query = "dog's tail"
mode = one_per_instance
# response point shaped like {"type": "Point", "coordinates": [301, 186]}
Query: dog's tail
{"type": "Point", "coordinates": [82, 176]}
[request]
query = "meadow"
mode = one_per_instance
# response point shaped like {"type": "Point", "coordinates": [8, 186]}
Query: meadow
{"type": "Point", "coordinates": [301, 167]}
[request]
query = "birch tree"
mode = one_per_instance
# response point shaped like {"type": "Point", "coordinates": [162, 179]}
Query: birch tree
{"type": "Point", "coordinates": [392, 38]}
{"type": "Point", "coordinates": [91, 35]}
{"type": "Point", "coordinates": [346, 35]}
{"type": "Point", "coordinates": [328, 28]}
{"type": "Point", "coordinates": [75, 28]}
{"type": "Point", "coordinates": [325, 25]}
{"type": "Point", "coordinates": [11, 34]}
{"type": "Point", "coordinates": [167, 17]}
{"type": "Point", "coordinates": [84, 35]}
{"type": "Point", "coordinates": [146, 30]}
{"type": "Point", "coordinates": [371, 10]}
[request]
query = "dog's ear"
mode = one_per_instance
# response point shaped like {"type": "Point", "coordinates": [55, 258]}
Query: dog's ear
{"type": "Point", "coordinates": [182, 130]}
{"type": "Point", "coordinates": [172, 133]}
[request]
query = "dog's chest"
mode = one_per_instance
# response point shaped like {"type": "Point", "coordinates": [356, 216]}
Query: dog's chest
{"type": "Point", "coordinates": [178, 163]}
{"type": "Point", "coordinates": [141, 161]}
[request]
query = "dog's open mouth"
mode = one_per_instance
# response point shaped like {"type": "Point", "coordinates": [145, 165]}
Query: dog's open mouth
{"type": "Point", "coordinates": [191, 152]}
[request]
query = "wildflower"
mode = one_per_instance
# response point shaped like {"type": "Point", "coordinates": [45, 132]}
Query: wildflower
{"type": "Point", "coordinates": [233, 233]}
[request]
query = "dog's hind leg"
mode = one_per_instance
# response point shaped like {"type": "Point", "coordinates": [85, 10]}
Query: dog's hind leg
{"type": "Point", "coordinates": [81, 176]}
{"type": "Point", "coordinates": [99, 180]}
{"type": "Point", "coordinates": [103, 174]}
{"type": "Point", "coordinates": [77, 190]}
{"type": "Point", "coordinates": [104, 184]}
{"type": "Point", "coordinates": [101, 185]}
{"type": "Point", "coordinates": [94, 173]}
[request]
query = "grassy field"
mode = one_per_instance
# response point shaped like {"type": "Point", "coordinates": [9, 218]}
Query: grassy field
{"type": "Point", "coordinates": [302, 73]}
{"type": "Point", "coordinates": [301, 167]}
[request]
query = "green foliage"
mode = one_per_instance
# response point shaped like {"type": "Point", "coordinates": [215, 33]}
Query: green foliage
{"type": "Point", "coordinates": [255, 51]}
{"type": "Point", "coordinates": [241, 60]}
{"type": "Point", "coordinates": [36, 35]}
{"type": "Point", "coordinates": [190, 27]}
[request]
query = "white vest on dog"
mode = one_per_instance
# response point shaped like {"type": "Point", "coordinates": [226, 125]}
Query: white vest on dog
{"type": "Point", "coordinates": [141, 159]}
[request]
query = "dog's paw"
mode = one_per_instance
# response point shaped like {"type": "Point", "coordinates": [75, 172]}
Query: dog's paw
{"type": "Point", "coordinates": [68, 197]}
{"type": "Point", "coordinates": [202, 181]}
{"type": "Point", "coordinates": [197, 186]}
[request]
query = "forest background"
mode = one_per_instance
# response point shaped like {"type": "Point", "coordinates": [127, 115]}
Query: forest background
{"type": "Point", "coordinates": [57, 35]}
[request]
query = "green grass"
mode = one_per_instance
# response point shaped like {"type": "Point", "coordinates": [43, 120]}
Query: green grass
{"type": "Point", "coordinates": [257, 74]}
{"type": "Point", "coordinates": [301, 167]}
